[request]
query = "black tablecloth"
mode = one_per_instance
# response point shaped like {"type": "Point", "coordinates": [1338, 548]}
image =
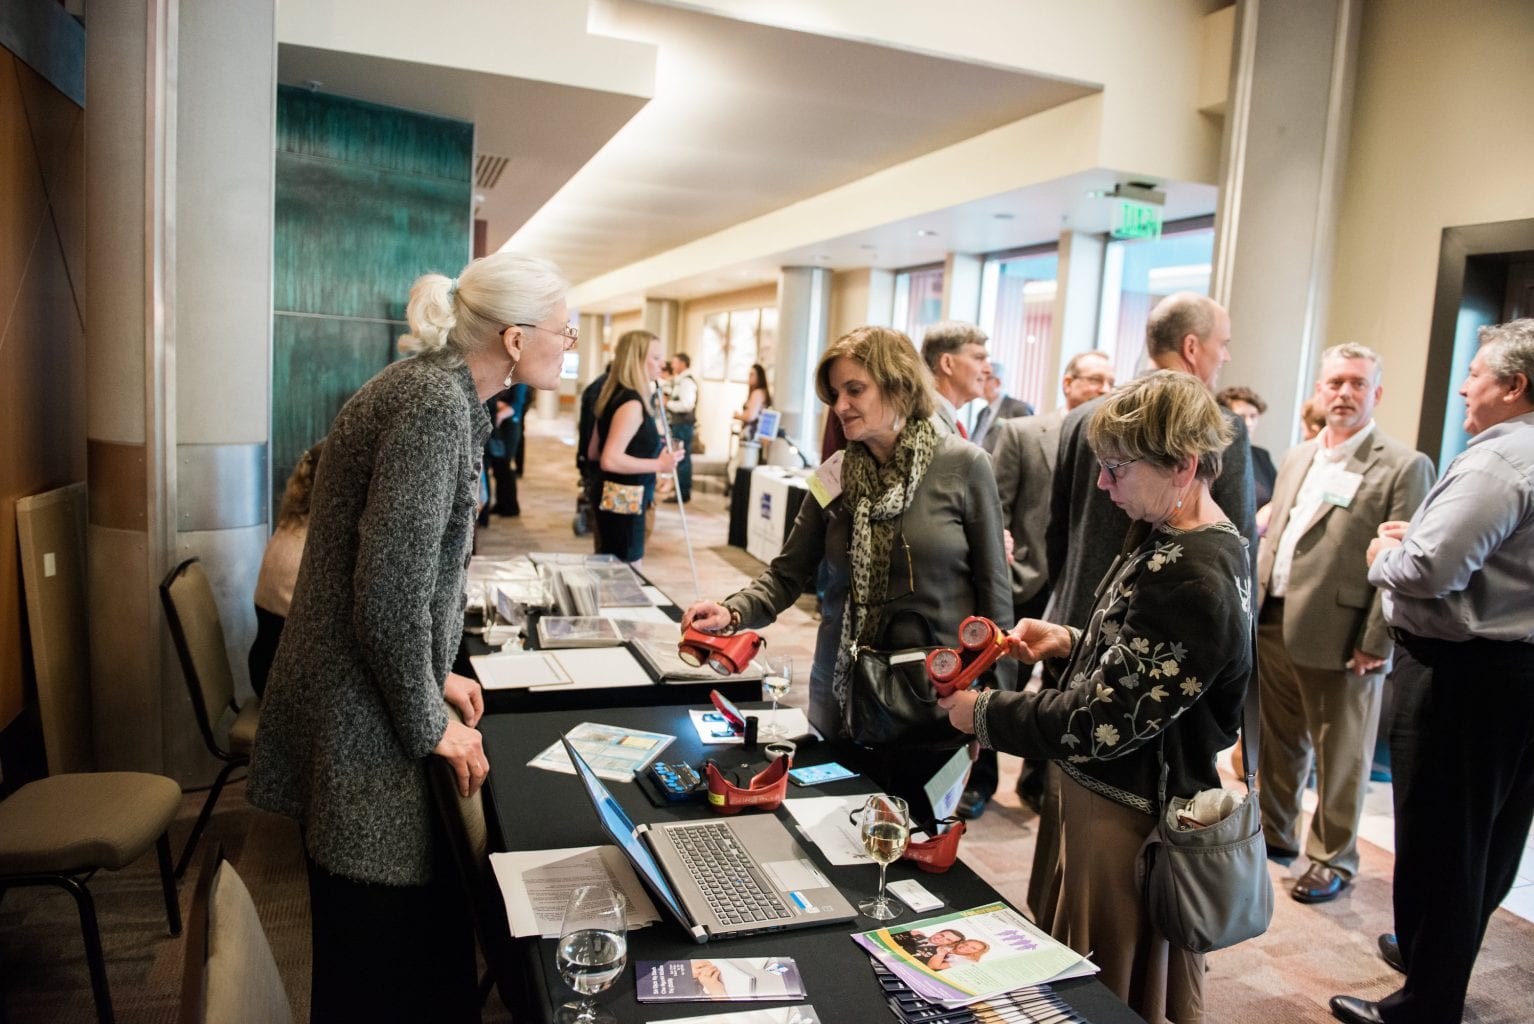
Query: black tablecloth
{"type": "Point", "coordinates": [545, 810]}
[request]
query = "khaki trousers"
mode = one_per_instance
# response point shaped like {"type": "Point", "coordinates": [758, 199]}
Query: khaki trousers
{"type": "Point", "coordinates": [1308, 714]}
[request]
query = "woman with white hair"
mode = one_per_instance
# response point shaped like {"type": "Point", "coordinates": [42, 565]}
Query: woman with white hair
{"type": "Point", "coordinates": [354, 705]}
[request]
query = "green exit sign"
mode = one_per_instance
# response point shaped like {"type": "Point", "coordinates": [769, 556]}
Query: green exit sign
{"type": "Point", "coordinates": [1136, 220]}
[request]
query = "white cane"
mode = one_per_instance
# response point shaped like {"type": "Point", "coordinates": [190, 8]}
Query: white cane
{"type": "Point", "coordinates": [681, 506]}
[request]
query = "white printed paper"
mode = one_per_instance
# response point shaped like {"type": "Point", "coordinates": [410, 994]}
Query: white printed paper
{"type": "Point", "coordinates": [536, 885]}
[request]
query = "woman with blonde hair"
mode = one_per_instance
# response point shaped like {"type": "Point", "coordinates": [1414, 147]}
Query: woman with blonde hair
{"type": "Point", "coordinates": [914, 537]}
{"type": "Point", "coordinates": [627, 446]}
{"type": "Point", "coordinates": [1159, 676]}
{"type": "Point", "coordinates": [354, 705]}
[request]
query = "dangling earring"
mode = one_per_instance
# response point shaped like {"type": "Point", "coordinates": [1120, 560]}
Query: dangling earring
{"type": "Point", "coordinates": [507, 382]}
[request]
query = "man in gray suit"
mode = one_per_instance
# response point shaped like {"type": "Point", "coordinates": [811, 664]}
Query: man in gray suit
{"type": "Point", "coordinates": [1023, 451]}
{"type": "Point", "coordinates": [1322, 641]}
{"type": "Point", "coordinates": [998, 406]}
{"type": "Point", "coordinates": [955, 353]}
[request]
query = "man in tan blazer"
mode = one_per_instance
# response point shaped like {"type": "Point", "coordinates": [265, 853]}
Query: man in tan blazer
{"type": "Point", "coordinates": [1322, 641]}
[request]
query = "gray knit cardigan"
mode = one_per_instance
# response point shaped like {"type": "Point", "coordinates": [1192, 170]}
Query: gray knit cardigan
{"type": "Point", "coordinates": [354, 703]}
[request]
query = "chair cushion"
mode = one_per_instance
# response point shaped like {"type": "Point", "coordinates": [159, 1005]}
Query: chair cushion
{"type": "Point", "coordinates": [242, 732]}
{"type": "Point", "coordinates": [69, 823]}
{"type": "Point", "coordinates": [242, 982]}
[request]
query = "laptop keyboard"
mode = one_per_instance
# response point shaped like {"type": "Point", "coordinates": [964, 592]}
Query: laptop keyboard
{"type": "Point", "coordinates": [727, 875]}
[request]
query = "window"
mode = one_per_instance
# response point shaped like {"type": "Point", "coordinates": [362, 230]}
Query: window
{"type": "Point", "coordinates": [1017, 309]}
{"type": "Point", "coordinates": [1138, 273]}
{"type": "Point", "coordinates": [918, 300]}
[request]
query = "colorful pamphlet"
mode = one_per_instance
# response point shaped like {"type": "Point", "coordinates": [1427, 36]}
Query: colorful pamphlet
{"type": "Point", "coordinates": [614, 753]}
{"type": "Point", "coordinates": [960, 958]}
{"type": "Point", "coordinates": [720, 979]}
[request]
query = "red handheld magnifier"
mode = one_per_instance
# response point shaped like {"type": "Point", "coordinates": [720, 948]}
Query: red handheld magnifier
{"type": "Point", "coordinates": [728, 654]}
{"type": "Point", "coordinates": [981, 643]}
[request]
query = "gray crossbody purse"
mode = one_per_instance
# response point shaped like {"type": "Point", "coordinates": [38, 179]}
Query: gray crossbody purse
{"type": "Point", "coordinates": [1207, 887]}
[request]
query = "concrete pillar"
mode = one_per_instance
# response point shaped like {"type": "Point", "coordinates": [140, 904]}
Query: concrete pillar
{"type": "Point", "coordinates": [881, 298]}
{"type": "Point", "coordinates": [1286, 130]}
{"type": "Point", "coordinates": [591, 350]}
{"type": "Point", "coordinates": [804, 317]}
{"type": "Point", "coordinates": [961, 287]}
{"type": "Point", "coordinates": [178, 323]}
{"type": "Point", "coordinates": [1078, 299]}
{"type": "Point", "coordinates": [662, 318]}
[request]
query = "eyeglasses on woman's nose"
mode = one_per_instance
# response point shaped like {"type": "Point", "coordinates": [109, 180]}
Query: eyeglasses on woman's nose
{"type": "Point", "coordinates": [1112, 468]}
{"type": "Point", "coordinates": [571, 333]}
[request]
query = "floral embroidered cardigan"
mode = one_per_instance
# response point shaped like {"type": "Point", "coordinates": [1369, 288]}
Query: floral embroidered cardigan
{"type": "Point", "coordinates": [1164, 661]}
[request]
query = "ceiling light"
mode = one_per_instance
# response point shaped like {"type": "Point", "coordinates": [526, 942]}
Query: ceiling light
{"type": "Point", "coordinates": [925, 233]}
{"type": "Point", "coordinates": [1004, 215]}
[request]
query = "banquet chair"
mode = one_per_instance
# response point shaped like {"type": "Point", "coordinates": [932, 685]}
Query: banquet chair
{"type": "Point", "coordinates": [62, 829]}
{"type": "Point", "coordinates": [230, 975]}
{"type": "Point", "coordinates": [198, 633]}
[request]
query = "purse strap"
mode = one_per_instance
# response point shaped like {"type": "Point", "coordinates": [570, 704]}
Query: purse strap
{"type": "Point", "coordinates": [1251, 728]}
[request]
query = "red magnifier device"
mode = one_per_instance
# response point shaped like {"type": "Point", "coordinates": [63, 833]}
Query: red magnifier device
{"type": "Point", "coordinates": [981, 643]}
{"type": "Point", "coordinates": [728, 653]}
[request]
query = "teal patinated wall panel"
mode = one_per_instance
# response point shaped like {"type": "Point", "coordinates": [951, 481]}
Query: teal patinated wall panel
{"type": "Point", "coordinates": [368, 198]}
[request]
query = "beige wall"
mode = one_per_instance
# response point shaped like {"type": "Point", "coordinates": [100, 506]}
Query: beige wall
{"type": "Point", "coordinates": [718, 399]}
{"type": "Point", "coordinates": [42, 337]}
{"type": "Point", "coordinates": [1440, 139]}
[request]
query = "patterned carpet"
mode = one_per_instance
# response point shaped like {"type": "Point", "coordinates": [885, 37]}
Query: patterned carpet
{"type": "Point", "coordinates": [1283, 977]}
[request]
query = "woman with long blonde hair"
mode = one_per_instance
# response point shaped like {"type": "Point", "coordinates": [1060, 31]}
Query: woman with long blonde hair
{"type": "Point", "coordinates": [627, 446]}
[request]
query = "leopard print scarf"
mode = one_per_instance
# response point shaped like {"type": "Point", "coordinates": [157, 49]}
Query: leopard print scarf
{"type": "Point", "coordinates": [877, 496]}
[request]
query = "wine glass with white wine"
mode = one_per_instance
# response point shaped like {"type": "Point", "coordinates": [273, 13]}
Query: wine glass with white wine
{"type": "Point", "coordinates": [886, 828]}
{"type": "Point", "coordinates": [778, 677]}
{"type": "Point", "coordinates": [593, 949]}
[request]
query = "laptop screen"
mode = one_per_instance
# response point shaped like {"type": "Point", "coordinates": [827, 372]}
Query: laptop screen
{"type": "Point", "coordinates": [620, 828]}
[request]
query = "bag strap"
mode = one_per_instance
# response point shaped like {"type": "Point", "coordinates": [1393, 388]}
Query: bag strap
{"type": "Point", "coordinates": [1251, 727]}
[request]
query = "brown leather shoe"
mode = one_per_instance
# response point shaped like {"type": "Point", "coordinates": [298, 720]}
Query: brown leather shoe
{"type": "Point", "coordinates": [1318, 884]}
{"type": "Point", "coordinates": [1352, 1010]}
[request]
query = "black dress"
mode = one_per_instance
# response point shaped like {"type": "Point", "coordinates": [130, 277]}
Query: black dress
{"type": "Point", "coordinates": [618, 533]}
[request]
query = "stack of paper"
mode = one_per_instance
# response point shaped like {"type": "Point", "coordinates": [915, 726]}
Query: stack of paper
{"type": "Point", "coordinates": [1037, 1004]}
{"type": "Point", "coordinates": [560, 631]}
{"type": "Point", "coordinates": [577, 669]}
{"type": "Point", "coordinates": [536, 885]}
{"type": "Point", "coordinates": [960, 958]}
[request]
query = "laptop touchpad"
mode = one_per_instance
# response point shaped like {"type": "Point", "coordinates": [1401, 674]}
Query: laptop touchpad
{"type": "Point", "coordinates": [792, 875]}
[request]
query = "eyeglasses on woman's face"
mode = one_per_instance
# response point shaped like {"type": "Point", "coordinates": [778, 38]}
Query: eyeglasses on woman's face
{"type": "Point", "coordinates": [571, 333]}
{"type": "Point", "coordinates": [1112, 468]}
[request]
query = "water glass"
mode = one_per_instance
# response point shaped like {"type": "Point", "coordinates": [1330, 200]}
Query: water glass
{"type": "Point", "coordinates": [593, 950]}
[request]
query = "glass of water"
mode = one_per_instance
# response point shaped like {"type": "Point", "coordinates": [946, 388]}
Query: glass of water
{"type": "Point", "coordinates": [593, 949]}
{"type": "Point", "coordinates": [777, 678]}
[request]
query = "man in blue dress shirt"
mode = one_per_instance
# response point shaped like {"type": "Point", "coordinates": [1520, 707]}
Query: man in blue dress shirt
{"type": "Point", "coordinates": [1457, 582]}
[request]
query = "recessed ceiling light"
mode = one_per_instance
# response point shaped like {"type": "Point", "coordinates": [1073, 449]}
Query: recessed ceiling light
{"type": "Point", "coordinates": [867, 248]}
{"type": "Point", "coordinates": [823, 258]}
{"type": "Point", "coordinates": [925, 233]}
